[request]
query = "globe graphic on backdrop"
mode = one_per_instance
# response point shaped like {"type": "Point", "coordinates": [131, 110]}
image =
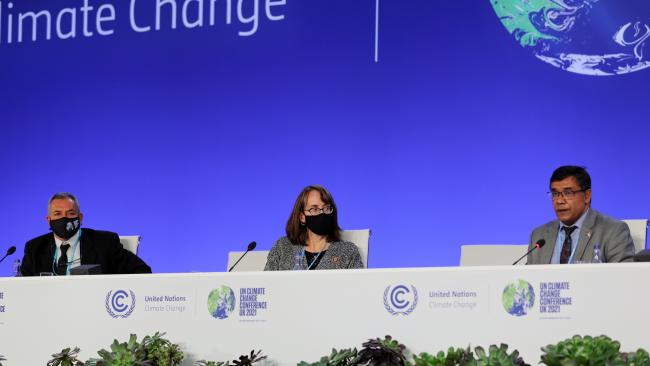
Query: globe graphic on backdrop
{"type": "Point", "coordinates": [221, 302]}
{"type": "Point", "coordinates": [589, 37]}
{"type": "Point", "coordinates": [518, 298]}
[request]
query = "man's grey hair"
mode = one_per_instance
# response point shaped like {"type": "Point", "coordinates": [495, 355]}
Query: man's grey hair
{"type": "Point", "coordinates": [63, 195]}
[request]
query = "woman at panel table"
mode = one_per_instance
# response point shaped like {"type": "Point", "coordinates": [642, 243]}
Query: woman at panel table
{"type": "Point", "coordinates": [313, 238]}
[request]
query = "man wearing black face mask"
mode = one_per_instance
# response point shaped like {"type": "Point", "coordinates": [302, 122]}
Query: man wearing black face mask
{"type": "Point", "coordinates": [69, 245]}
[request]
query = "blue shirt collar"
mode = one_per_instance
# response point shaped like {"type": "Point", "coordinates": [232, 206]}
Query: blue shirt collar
{"type": "Point", "coordinates": [581, 220]}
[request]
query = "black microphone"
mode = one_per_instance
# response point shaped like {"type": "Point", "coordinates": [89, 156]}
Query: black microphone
{"type": "Point", "coordinates": [10, 251]}
{"type": "Point", "coordinates": [251, 246]}
{"type": "Point", "coordinates": [540, 243]}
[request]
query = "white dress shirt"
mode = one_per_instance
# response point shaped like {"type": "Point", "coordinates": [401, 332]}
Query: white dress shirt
{"type": "Point", "coordinates": [73, 257]}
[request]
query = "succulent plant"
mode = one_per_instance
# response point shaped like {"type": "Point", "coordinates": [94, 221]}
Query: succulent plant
{"type": "Point", "coordinates": [583, 351]}
{"type": "Point", "coordinates": [211, 363]}
{"type": "Point", "coordinates": [497, 356]}
{"type": "Point", "coordinates": [243, 360]}
{"type": "Point", "coordinates": [248, 360]}
{"type": "Point", "coordinates": [381, 352]}
{"type": "Point", "coordinates": [336, 358]}
{"type": "Point", "coordinates": [160, 351]}
{"type": "Point", "coordinates": [123, 354]}
{"type": "Point", "coordinates": [67, 357]}
{"type": "Point", "coordinates": [638, 358]}
{"type": "Point", "coordinates": [453, 357]}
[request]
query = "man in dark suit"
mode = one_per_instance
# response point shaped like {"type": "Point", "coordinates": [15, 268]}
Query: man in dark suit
{"type": "Point", "coordinates": [69, 246]}
{"type": "Point", "coordinates": [579, 228]}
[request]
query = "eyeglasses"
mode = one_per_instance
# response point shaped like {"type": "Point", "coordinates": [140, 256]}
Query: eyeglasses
{"type": "Point", "coordinates": [317, 211]}
{"type": "Point", "coordinates": [568, 194]}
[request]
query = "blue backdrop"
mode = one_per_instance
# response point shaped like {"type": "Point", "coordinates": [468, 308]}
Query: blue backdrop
{"type": "Point", "coordinates": [199, 139]}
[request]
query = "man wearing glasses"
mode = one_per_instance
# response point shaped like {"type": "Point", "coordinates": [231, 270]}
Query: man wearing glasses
{"type": "Point", "coordinates": [579, 228]}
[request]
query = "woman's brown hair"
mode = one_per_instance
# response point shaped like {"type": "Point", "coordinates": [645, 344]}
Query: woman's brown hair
{"type": "Point", "coordinates": [297, 231]}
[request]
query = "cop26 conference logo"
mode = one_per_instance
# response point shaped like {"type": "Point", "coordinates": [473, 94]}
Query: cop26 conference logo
{"type": "Point", "coordinates": [221, 302]}
{"type": "Point", "coordinates": [400, 299]}
{"type": "Point", "coordinates": [120, 304]}
{"type": "Point", "coordinates": [518, 298]}
{"type": "Point", "coordinates": [589, 37]}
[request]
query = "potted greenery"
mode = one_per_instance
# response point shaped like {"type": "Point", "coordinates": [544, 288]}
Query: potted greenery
{"type": "Point", "coordinates": [210, 363]}
{"type": "Point", "coordinates": [160, 351]}
{"type": "Point", "coordinates": [154, 350]}
{"type": "Point", "coordinates": [243, 360]}
{"type": "Point", "coordinates": [67, 357]}
{"type": "Point", "coordinates": [589, 351]}
{"type": "Point", "coordinates": [638, 358]}
{"type": "Point", "coordinates": [453, 357]}
{"type": "Point", "coordinates": [122, 354]}
{"type": "Point", "coordinates": [381, 352]}
{"type": "Point", "coordinates": [495, 356]}
{"type": "Point", "coordinates": [248, 360]}
{"type": "Point", "coordinates": [498, 356]}
{"type": "Point", "coordinates": [335, 358]}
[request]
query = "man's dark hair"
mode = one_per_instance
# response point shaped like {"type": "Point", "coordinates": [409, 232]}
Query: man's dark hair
{"type": "Point", "coordinates": [580, 173]}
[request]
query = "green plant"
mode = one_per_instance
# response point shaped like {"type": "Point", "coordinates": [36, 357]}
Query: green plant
{"type": "Point", "coordinates": [210, 363]}
{"type": "Point", "coordinates": [248, 360]}
{"type": "Point", "coordinates": [243, 360]}
{"type": "Point", "coordinates": [638, 358]}
{"type": "Point", "coordinates": [381, 352]}
{"type": "Point", "coordinates": [2, 358]}
{"type": "Point", "coordinates": [67, 357]}
{"type": "Point", "coordinates": [160, 351]}
{"type": "Point", "coordinates": [497, 356]}
{"type": "Point", "coordinates": [453, 357]}
{"type": "Point", "coordinates": [123, 354]}
{"type": "Point", "coordinates": [583, 351]}
{"type": "Point", "coordinates": [336, 358]}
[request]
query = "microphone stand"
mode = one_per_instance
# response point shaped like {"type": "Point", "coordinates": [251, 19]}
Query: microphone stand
{"type": "Point", "coordinates": [540, 243]}
{"type": "Point", "coordinates": [250, 247]}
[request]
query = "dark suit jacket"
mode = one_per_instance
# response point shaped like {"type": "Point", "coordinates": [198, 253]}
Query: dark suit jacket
{"type": "Point", "coordinates": [612, 235]}
{"type": "Point", "coordinates": [97, 247]}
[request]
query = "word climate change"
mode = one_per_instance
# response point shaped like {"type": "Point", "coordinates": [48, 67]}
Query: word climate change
{"type": "Point", "coordinates": [91, 18]}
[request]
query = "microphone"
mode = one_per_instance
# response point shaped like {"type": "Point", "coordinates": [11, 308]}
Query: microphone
{"type": "Point", "coordinates": [540, 243]}
{"type": "Point", "coordinates": [250, 247]}
{"type": "Point", "coordinates": [10, 251]}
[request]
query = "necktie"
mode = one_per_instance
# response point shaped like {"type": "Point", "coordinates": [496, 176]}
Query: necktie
{"type": "Point", "coordinates": [62, 264]}
{"type": "Point", "coordinates": [568, 243]}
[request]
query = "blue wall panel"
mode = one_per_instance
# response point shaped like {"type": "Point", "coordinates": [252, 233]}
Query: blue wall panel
{"type": "Point", "coordinates": [200, 139]}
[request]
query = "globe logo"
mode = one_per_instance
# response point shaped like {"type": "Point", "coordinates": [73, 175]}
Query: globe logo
{"type": "Point", "coordinates": [518, 298]}
{"type": "Point", "coordinates": [221, 302]}
{"type": "Point", "coordinates": [589, 37]}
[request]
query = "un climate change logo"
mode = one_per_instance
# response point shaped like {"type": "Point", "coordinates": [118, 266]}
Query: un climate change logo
{"type": "Point", "coordinates": [518, 298]}
{"type": "Point", "coordinates": [400, 299]}
{"type": "Point", "coordinates": [120, 304]}
{"type": "Point", "coordinates": [221, 302]}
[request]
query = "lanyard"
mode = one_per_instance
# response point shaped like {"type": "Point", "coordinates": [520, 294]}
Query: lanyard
{"type": "Point", "coordinates": [312, 262]}
{"type": "Point", "coordinates": [573, 251]}
{"type": "Point", "coordinates": [74, 251]}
